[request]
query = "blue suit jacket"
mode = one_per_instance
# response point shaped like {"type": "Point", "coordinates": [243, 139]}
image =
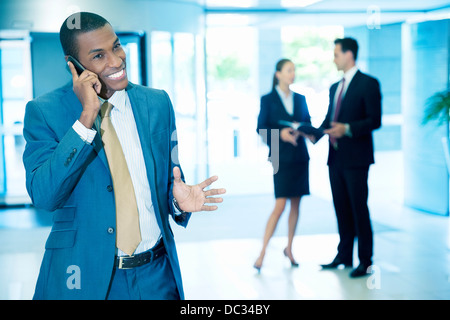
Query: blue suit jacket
{"type": "Point", "coordinates": [70, 178]}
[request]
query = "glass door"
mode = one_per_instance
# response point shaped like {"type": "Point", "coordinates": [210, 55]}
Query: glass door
{"type": "Point", "coordinates": [15, 92]}
{"type": "Point", "coordinates": [178, 68]}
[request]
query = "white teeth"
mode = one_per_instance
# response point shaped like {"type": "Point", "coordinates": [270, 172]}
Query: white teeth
{"type": "Point", "coordinates": [116, 75]}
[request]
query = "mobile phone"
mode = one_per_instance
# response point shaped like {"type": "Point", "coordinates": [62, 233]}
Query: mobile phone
{"type": "Point", "coordinates": [78, 66]}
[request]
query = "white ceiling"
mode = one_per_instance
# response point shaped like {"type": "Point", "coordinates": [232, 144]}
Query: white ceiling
{"type": "Point", "coordinates": [325, 5]}
{"type": "Point", "coordinates": [269, 13]}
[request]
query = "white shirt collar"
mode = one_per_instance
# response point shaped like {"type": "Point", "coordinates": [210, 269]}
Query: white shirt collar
{"type": "Point", "coordinates": [348, 76]}
{"type": "Point", "coordinates": [282, 93]}
{"type": "Point", "coordinates": [118, 99]}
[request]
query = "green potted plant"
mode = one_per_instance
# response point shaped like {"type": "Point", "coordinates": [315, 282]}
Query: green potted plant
{"type": "Point", "coordinates": [438, 109]}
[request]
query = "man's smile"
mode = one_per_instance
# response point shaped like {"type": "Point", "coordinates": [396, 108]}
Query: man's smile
{"type": "Point", "coordinates": [118, 75]}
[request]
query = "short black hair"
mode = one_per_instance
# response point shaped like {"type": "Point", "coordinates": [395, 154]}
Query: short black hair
{"type": "Point", "coordinates": [348, 44]}
{"type": "Point", "coordinates": [75, 24]}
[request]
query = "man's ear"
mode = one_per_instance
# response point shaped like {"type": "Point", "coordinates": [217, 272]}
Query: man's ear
{"type": "Point", "coordinates": [348, 55]}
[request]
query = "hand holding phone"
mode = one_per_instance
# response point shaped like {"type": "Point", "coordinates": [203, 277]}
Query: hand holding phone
{"type": "Point", "coordinates": [87, 87]}
{"type": "Point", "coordinates": [78, 66]}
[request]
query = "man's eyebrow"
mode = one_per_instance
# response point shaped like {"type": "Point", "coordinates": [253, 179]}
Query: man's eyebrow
{"type": "Point", "coordinates": [95, 50]}
{"type": "Point", "coordinates": [99, 50]}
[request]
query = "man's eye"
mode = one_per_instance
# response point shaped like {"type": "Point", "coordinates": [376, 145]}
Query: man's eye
{"type": "Point", "coordinates": [117, 46]}
{"type": "Point", "coordinates": [98, 56]}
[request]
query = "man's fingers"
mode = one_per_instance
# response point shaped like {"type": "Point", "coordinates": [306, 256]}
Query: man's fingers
{"type": "Point", "coordinates": [213, 200]}
{"type": "Point", "coordinates": [209, 208]}
{"type": "Point", "coordinates": [97, 85]}
{"type": "Point", "coordinates": [214, 192]}
{"type": "Point", "coordinates": [177, 174]}
{"type": "Point", "coordinates": [93, 79]}
{"type": "Point", "coordinates": [208, 182]}
{"type": "Point", "coordinates": [86, 75]}
{"type": "Point", "coordinates": [73, 71]}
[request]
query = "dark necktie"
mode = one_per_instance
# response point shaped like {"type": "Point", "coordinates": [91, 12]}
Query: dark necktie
{"type": "Point", "coordinates": [333, 140]}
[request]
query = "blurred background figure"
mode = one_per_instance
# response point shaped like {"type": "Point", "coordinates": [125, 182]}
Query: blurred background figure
{"type": "Point", "coordinates": [354, 112]}
{"type": "Point", "coordinates": [291, 178]}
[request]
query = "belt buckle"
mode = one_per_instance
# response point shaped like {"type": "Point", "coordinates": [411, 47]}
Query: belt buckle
{"type": "Point", "coordinates": [121, 258]}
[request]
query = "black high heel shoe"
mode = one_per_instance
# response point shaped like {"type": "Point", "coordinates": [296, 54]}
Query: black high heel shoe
{"type": "Point", "coordinates": [293, 262]}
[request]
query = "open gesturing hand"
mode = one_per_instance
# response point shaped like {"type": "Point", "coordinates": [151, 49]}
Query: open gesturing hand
{"type": "Point", "coordinates": [194, 198]}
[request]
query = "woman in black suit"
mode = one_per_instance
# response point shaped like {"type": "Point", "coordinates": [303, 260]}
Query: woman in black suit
{"type": "Point", "coordinates": [291, 159]}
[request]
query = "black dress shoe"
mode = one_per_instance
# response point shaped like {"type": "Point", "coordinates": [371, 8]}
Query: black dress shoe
{"type": "Point", "coordinates": [336, 263]}
{"type": "Point", "coordinates": [360, 271]}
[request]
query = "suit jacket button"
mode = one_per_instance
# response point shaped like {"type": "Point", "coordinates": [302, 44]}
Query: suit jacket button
{"type": "Point", "coordinates": [109, 188]}
{"type": "Point", "coordinates": [110, 230]}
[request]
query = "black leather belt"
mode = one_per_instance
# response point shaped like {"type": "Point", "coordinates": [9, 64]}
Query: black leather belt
{"type": "Point", "coordinates": [129, 262]}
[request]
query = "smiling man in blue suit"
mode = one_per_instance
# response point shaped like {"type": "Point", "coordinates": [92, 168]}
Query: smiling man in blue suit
{"type": "Point", "coordinates": [71, 171]}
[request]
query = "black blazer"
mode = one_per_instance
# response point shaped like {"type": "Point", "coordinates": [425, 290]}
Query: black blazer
{"type": "Point", "coordinates": [272, 111]}
{"type": "Point", "coordinates": [361, 109]}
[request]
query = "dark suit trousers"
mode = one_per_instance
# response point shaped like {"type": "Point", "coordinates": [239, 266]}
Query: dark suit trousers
{"type": "Point", "coordinates": [350, 194]}
{"type": "Point", "coordinates": [152, 281]}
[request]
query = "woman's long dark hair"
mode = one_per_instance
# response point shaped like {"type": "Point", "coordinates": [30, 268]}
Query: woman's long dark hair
{"type": "Point", "coordinates": [278, 67]}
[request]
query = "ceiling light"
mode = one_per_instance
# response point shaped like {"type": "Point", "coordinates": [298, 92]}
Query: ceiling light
{"type": "Point", "coordinates": [298, 3]}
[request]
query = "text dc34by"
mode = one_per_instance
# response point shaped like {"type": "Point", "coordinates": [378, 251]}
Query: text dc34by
{"type": "Point", "coordinates": [237, 309]}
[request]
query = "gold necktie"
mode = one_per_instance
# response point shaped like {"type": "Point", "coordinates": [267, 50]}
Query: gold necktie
{"type": "Point", "coordinates": [128, 234]}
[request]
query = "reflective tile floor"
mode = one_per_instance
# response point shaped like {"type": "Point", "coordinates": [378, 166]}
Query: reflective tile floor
{"type": "Point", "coordinates": [217, 252]}
{"type": "Point", "coordinates": [411, 261]}
{"type": "Point", "coordinates": [217, 249]}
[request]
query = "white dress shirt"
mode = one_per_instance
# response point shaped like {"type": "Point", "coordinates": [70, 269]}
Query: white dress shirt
{"type": "Point", "coordinates": [348, 76]}
{"type": "Point", "coordinates": [287, 100]}
{"type": "Point", "coordinates": [124, 123]}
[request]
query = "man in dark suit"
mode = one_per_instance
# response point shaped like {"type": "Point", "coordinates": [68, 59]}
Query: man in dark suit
{"type": "Point", "coordinates": [354, 112]}
{"type": "Point", "coordinates": [69, 171]}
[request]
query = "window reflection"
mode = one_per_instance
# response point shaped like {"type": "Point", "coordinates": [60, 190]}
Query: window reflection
{"type": "Point", "coordinates": [177, 69]}
{"type": "Point", "coordinates": [16, 91]}
{"type": "Point", "coordinates": [234, 148]}
{"type": "Point", "coordinates": [185, 73]}
{"type": "Point", "coordinates": [162, 67]}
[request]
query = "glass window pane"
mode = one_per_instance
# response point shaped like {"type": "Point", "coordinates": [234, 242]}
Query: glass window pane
{"type": "Point", "coordinates": [234, 148]}
{"type": "Point", "coordinates": [311, 49]}
{"type": "Point", "coordinates": [185, 101]}
{"type": "Point", "coordinates": [16, 91]}
{"type": "Point", "coordinates": [162, 70]}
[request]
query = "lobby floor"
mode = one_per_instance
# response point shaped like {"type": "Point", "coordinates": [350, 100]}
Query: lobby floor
{"type": "Point", "coordinates": [411, 261]}
{"type": "Point", "coordinates": [218, 249]}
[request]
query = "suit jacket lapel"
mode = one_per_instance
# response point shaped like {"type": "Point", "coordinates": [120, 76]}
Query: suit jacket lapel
{"type": "Point", "coordinates": [297, 108]}
{"type": "Point", "coordinates": [281, 110]}
{"type": "Point", "coordinates": [141, 111]}
{"type": "Point", "coordinates": [350, 89]}
{"type": "Point", "coordinates": [141, 115]}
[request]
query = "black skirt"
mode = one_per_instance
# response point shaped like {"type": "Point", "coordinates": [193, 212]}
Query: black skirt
{"type": "Point", "coordinates": [291, 180]}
